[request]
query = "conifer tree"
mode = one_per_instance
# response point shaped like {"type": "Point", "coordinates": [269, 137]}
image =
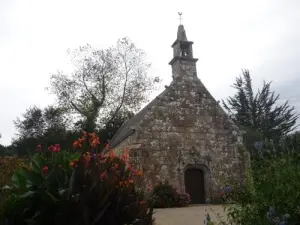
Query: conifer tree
{"type": "Point", "coordinates": [259, 114]}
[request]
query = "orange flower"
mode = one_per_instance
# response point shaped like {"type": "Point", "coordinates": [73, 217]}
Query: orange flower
{"type": "Point", "coordinates": [125, 155]}
{"type": "Point", "coordinates": [94, 143]}
{"type": "Point", "coordinates": [73, 163]}
{"type": "Point", "coordinates": [112, 154]}
{"type": "Point", "coordinates": [77, 144]}
{"type": "Point", "coordinates": [140, 173]}
{"type": "Point", "coordinates": [93, 140]}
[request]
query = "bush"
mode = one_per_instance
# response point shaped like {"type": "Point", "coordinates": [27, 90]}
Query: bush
{"type": "Point", "coordinates": [8, 166]}
{"type": "Point", "coordinates": [271, 195]}
{"type": "Point", "coordinates": [165, 195]}
{"type": "Point", "coordinates": [61, 187]}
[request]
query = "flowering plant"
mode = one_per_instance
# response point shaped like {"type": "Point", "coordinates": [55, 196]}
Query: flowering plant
{"type": "Point", "coordinates": [271, 186]}
{"type": "Point", "coordinates": [165, 195]}
{"type": "Point", "coordinates": [80, 187]}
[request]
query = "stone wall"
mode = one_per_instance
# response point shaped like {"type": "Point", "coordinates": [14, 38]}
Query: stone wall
{"type": "Point", "coordinates": [187, 127]}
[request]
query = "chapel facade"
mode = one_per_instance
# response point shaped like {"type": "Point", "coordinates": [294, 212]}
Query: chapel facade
{"type": "Point", "coordinates": [183, 136]}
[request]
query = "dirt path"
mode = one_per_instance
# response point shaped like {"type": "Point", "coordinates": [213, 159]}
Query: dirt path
{"type": "Point", "coordinates": [192, 215]}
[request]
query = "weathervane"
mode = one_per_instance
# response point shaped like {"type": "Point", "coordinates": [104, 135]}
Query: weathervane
{"type": "Point", "coordinates": [180, 18]}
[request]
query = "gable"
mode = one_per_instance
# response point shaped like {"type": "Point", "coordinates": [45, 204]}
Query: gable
{"type": "Point", "coordinates": [187, 97]}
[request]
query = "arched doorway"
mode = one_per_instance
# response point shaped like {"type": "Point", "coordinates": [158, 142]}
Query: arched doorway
{"type": "Point", "coordinates": [194, 185]}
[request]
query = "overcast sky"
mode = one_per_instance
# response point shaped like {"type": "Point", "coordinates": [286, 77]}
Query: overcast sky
{"type": "Point", "coordinates": [261, 35]}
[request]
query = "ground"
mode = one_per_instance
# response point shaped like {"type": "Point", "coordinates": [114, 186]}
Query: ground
{"type": "Point", "coordinates": [192, 215]}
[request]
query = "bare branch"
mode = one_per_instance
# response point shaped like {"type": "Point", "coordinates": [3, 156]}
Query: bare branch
{"type": "Point", "coordinates": [124, 90]}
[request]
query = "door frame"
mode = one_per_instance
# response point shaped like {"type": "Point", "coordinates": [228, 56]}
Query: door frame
{"type": "Point", "coordinates": [206, 178]}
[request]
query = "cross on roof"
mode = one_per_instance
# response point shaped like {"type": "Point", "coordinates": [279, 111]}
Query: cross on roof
{"type": "Point", "coordinates": [180, 18]}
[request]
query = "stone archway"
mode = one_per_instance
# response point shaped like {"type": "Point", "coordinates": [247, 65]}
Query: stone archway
{"type": "Point", "coordinates": [196, 183]}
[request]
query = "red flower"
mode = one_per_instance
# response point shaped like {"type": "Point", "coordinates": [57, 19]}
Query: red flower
{"type": "Point", "coordinates": [45, 170]}
{"type": "Point", "coordinates": [54, 148]}
{"type": "Point", "coordinates": [57, 148]}
{"type": "Point", "coordinates": [73, 163]}
{"type": "Point", "coordinates": [84, 133]}
{"type": "Point", "coordinates": [106, 146]}
{"type": "Point", "coordinates": [38, 148]}
{"type": "Point", "coordinates": [103, 175]}
{"type": "Point", "coordinates": [102, 156]}
{"type": "Point", "coordinates": [116, 166]}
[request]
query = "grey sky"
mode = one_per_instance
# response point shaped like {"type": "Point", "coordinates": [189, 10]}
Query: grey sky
{"type": "Point", "coordinates": [260, 35]}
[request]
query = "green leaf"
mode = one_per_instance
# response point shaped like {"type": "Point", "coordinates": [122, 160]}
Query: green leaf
{"type": "Point", "coordinates": [37, 161]}
{"type": "Point", "coordinates": [27, 194]}
{"type": "Point", "coordinates": [6, 187]}
{"type": "Point", "coordinates": [52, 197]}
{"type": "Point", "coordinates": [62, 192]}
{"type": "Point", "coordinates": [19, 181]}
{"type": "Point", "coordinates": [25, 173]}
{"type": "Point", "coordinates": [99, 215]}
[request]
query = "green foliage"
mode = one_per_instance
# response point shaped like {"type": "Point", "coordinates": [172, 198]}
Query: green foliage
{"type": "Point", "coordinates": [37, 187]}
{"type": "Point", "coordinates": [60, 187]}
{"type": "Point", "coordinates": [8, 166]}
{"type": "Point", "coordinates": [42, 126]}
{"type": "Point", "coordinates": [165, 195]}
{"type": "Point", "coordinates": [259, 114]}
{"type": "Point", "coordinates": [48, 126]}
{"type": "Point", "coordinates": [272, 190]}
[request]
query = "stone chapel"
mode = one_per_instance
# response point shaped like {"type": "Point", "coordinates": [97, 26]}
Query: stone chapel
{"type": "Point", "coordinates": [183, 136]}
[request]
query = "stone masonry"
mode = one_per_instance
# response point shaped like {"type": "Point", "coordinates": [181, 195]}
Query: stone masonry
{"type": "Point", "coordinates": [184, 127]}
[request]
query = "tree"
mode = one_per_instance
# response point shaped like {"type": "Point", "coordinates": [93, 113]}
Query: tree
{"type": "Point", "coordinates": [2, 150]}
{"type": "Point", "coordinates": [51, 125]}
{"type": "Point", "coordinates": [41, 126]}
{"type": "Point", "coordinates": [112, 126]}
{"type": "Point", "coordinates": [259, 114]}
{"type": "Point", "coordinates": [104, 82]}
{"type": "Point", "coordinates": [37, 122]}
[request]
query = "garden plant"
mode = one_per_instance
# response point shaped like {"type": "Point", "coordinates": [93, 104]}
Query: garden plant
{"type": "Point", "coordinates": [76, 187]}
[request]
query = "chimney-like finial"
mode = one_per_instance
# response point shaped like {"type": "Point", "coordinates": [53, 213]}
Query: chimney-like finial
{"type": "Point", "coordinates": [180, 18]}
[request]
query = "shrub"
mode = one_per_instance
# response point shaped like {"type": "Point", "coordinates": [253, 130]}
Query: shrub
{"type": "Point", "coordinates": [271, 195]}
{"type": "Point", "coordinates": [182, 200]}
{"type": "Point", "coordinates": [61, 187]}
{"type": "Point", "coordinates": [165, 195]}
{"type": "Point", "coordinates": [8, 166]}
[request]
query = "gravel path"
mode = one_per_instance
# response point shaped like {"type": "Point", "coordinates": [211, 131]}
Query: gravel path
{"type": "Point", "coordinates": [192, 215]}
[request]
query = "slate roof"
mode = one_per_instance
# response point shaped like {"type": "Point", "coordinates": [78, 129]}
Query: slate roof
{"type": "Point", "coordinates": [128, 127]}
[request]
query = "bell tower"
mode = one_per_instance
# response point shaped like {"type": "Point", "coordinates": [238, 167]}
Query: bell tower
{"type": "Point", "coordinates": [183, 63]}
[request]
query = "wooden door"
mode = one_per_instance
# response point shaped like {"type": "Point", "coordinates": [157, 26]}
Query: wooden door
{"type": "Point", "coordinates": [194, 185]}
